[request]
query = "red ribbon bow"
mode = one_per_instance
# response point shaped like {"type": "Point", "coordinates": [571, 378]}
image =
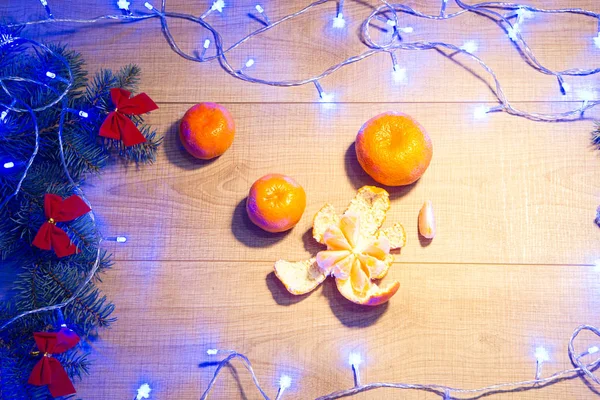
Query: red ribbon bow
{"type": "Point", "coordinates": [49, 371]}
{"type": "Point", "coordinates": [56, 209]}
{"type": "Point", "coordinates": [117, 125]}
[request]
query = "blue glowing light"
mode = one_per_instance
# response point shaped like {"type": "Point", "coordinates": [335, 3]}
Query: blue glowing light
{"type": "Point", "coordinates": [339, 21]}
{"type": "Point", "coordinates": [123, 4]}
{"type": "Point", "coordinates": [541, 354]}
{"type": "Point", "coordinates": [480, 112]}
{"type": "Point", "coordinates": [218, 6]}
{"type": "Point", "coordinates": [143, 392]}
{"type": "Point", "coordinates": [399, 74]}
{"type": "Point", "coordinates": [9, 164]}
{"type": "Point", "coordinates": [285, 382]}
{"type": "Point", "coordinates": [470, 46]}
{"type": "Point", "coordinates": [513, 32]}
{"type": "Point", "coordinates": [355, 359]}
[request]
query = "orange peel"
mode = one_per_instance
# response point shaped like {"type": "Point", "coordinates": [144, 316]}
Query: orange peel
{"type": "Point", "coordinates": [358, 250]}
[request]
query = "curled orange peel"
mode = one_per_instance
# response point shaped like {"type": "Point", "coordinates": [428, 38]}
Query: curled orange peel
{"type": "Point", "coordinates": [358, 251]}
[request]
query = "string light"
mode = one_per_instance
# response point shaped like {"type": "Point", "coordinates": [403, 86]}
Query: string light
{"type": "Point", "coordinates": [216, 6]}
{"type": "Point", "coordinates": [249, 63]}
{"type": "Point", "coordinates": [324, 97]}
{"type": "Point", "coordinates": [485, 8]}
{"type": "Point", "coordinates": [339, 21]}
{"type": "Point", "coordinates": [406, 29]}
{"type": "Point", "coordinates": [149, 6]}
{"type": "Point", "coordinates": [480, 112]}
{"type": "Point", "coordinates": [284, 383]}
{"type": "Point", "coordinates": [597, 40]}
{"type": "Point", "coordinates": [597, 266]}
{"type": "Point", "coordinates": [541, 356]}
{"type": "Point", "coordinates": [3, 115]}
{"type": "Point", "coordinates": [262, 12]}
{"type": "Point", "coordinates": [50, 75]}
{"type": "Point", "coordinates": [469, 47]}
{"type": "Point", "coordinates": [143, 392]}
{"type": "Point", "coordinates": [205, 47]}
{"type": "Point", "coordinates": [580, 370]}
{"type": "Point", "coordinates": [212, 352]}
{"type": "Point", "coordinates": [9, 164]}
{"type": "Point", "coordinates": [123, 5]}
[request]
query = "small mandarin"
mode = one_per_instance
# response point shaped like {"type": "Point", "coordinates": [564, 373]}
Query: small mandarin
{"type": "Point", "coordinates": [207, 130]}
{"type": "Point", "coordinates": [276, 203]}
{"type": "Point", "coordinates": [393, 149]}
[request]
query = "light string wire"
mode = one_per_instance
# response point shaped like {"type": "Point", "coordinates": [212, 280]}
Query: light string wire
{"type": "Point", "coordinates": [581, 370]}
{"type": "Point", "coordinates": [60, 98]}
{"type": "Point", "coordinates": [486, 9]}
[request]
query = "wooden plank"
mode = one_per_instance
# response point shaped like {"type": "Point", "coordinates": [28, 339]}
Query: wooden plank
{"type": "Point", "coordinates": [504, 190]}
{"type": "Point", "coordinates": [309, 45]}
{"type": "Point", "coordinates": [460, 325]}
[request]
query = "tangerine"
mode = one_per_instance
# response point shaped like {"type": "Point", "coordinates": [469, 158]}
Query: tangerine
{"type": "Point", "coordinates": [276, 203]}
{"type": "Point", "coordinates": [393, 149]}
{"type": "Point", "coordinates": [207, 130]}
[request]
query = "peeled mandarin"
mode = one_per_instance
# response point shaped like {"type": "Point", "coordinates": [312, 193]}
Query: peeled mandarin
{"type": "Point", "coordinates": [276, 203]}
{"type": "Point", "coordinates": [393, 149]}
{"type": "Point", "coordinates": [207, 130]}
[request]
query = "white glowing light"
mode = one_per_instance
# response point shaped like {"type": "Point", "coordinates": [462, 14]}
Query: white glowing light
{"type": "Point", "coordinates": [339, 21]}
{"type": "Point", "coordinates": [9, 164]}
{"type": "Point", "coordinates": [523, 13]}
{"type": "Point", "coordinates": [469, 47]}
{"type": "Point", "coordinates": [567, 87]}
{"type": "Point", "coordinates": [50, 75]}
{"type": "Point", "coordinates": [355, 359]}
{"type": "Point", "coordinates": [83, 114]}
{"type": "Point", "coordinates": [249, 63]}
{"type": "Point", "coordinates": [3, 115]}
{"type": "Point", "coordinates": [148, 6]}
{"type": "Point", "coordinates": [480, 112]}
{"type": "Point", "coordinates": [285, 382]}
{"type": "Point", "coordinates": [597, 266]}
{"type": "Point", "coordinates": [6, 38]}
{"type": "Point", "coordinates": [513, 32]}
{"type": "Point", "coordinates": [123, 4]}
{"type": "Point", "coordinates": [121, 239]}
{"type": "Point", "coordinates": [218, 6]}
{"type": "Point", "coordinates": [541, 354]}
{"type": "Point", "coordinates": [597, 40]}
{"type": "Point", "coordinates": [586, 95]}
{"type": "Point", "coordinates": [399, 74]}
{"type": "Point", "coordinates": [259, 8]}
{"type": "Point", "coordinates": [44, 2]}
{"type": "Point", "coordinates": [326, 97]}
{"type": "Point", "coordinates": [212, 352]}
{"type": "Point", "coordinates": [206, 43]}
{"type": "Point", "coordinates": [391, 22]}
{"type": "Point", "coordinates": [593, 350]}
{"type": "Point", "coordinates": [143, 392]}
{"type": "Point", "coordinates": [408, 29]}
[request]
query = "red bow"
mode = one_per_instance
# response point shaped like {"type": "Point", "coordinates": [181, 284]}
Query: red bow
{"type": "Point", "coordinates": [56, 209]}
{"type": "Point", "coordinates": [48, 370]}
{"type": "Point", "coordinates": [117, 125]}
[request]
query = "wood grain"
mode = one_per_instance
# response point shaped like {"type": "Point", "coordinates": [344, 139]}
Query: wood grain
{"type": "Point", "coordinates": [512, 187]}
{"type": "Point", "coordinates": [515, 200]}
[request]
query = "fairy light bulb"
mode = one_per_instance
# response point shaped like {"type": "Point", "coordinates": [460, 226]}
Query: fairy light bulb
{"type": "Point", "coordinates": [399, 73]}
{"type": "Point", "coordinates": [597, 40]}
{"type": "Point", "coordinates": [469, 46]}
{"type": "Point", "coordinates": [143, 392]}
{"type": "Point", "coordinates": [513, 32]}
{"type": "Point", "coordinates": [355, 359]}
{"type": "Point", "coordinates": [406, 29]}
{"type": "Point", "coordinates": [50, 75]}
{"type": "Point", "coordinates": [218, 6]}
{"type": "Point", "coordinates": [149, 6]}
{"type": "Point", "coordinates": [212, 352]}
{"type": "Point", "coordinates": [284, 382]}
{"type": "Point", "coordinates": [480, 112]}
{"type": "Point", "coordinates": [597, 266]}
{"type": "Point", "coordinates": [121, 239]}
{"type": "Point", "coordinates": [593, 350]}
{"type": "Point", "coordinates": [123, 5]}
{"type": "Point", "coordinates": [541, 354]}
{"type": "Point", "coordinates": [206, 43]}
{"type": "Point", "coordinates": [249, 63]}
{"type": "Point", "coordinates": [339, 21]}
{"type": "Point", "coordinates": [8, 165]}
{"type": "Point", "coordinates": [3, 115]}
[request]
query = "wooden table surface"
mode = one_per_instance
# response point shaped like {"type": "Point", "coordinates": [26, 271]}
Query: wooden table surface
{"type": "Point", "coordinates": [511, 267]}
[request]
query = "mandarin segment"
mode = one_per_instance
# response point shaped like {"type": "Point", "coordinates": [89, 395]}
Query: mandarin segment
{"type": "Point", "coordinates": [395, 234]}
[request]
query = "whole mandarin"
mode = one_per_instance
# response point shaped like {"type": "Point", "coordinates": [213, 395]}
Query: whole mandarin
{"type": "Point", "coordinates": [393, 149]}
{"type": "Point", "coordinates": [207, 130]}
{"type": "Point", "coordinates": [276, 203]}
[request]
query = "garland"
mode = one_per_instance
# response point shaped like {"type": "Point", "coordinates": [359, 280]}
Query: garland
{"type": "Point", "coordinates": [49, 144]}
